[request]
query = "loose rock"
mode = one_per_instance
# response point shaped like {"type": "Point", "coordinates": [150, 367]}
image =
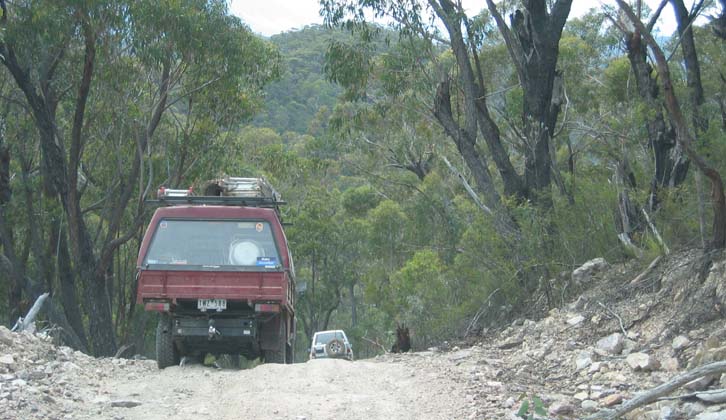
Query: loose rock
{"type": "Point", "coordinates": [612, 344]}
{"type": "Point", "coordinates": [642, 361]}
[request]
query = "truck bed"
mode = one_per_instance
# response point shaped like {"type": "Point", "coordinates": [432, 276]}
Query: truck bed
{"type": "Point", "coordinates": [253, 286]}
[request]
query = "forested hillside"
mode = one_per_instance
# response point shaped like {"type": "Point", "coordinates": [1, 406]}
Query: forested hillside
{"type": "Point", "coordinates": [293, 101]}
{"type": "Point", "coordinates": [440, 176]}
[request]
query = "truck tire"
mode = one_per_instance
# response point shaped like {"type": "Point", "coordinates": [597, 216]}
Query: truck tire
{"type": "Point", "coordinates": [166, 352]}
{"type": "Point", "coordinates": [280, 354]}
{"type": "Point", "coordinates": [335, 348]}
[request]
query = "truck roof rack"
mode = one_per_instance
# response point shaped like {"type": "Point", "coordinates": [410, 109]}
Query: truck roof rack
{"type": "Point", "coordinates": [228, 191]}
{"type": "Point", "coordinates": [218, 201]}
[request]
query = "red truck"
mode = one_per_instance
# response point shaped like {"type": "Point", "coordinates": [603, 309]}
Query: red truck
{"type": "Point", "coordinates": [218, 270]}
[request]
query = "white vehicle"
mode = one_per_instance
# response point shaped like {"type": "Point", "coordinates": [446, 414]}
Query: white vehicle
{"type": "Point", "coordinates": [331, 344]}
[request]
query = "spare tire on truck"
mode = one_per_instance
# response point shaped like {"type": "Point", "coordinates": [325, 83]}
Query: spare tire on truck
{"type": "Point", "coordinates": [335, 348]}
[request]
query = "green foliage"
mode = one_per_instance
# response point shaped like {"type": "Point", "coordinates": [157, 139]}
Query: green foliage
{"type": "Point", "coordinates": [358, 201]}
{"type": "Point", "coordinates": [420, 296]}
{"type": "Point", "coordinates": [616, 77]}
{"type": "Point", "coordinates": [532, 408]}
{"type": "Point", "coordinates": [348, 66]}
{"type": "Point", "coordinates": [294, 100]}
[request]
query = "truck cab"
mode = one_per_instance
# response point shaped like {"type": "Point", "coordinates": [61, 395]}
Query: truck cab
{"type": "Point", "coordinates": [219, 271]}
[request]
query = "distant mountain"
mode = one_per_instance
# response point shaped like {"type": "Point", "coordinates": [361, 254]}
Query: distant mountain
{"type": "Point", "coordinates": [292, 102]}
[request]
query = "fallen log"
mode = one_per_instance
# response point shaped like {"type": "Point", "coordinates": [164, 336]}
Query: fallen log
{"type": "Point", "coordinates": [659, 391]}
{"type": "Point", "coordinates": [24, 323]}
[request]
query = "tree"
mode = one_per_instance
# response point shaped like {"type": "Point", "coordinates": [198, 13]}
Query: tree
{"type": "Point", "coordinates": [316, 240]}
{"type": "Point", "coordinates": [533, 28]}
{"type": "Point", "coordinates": [171, 52]}
{"type": "Point", "coordinates": [683, 133]}
{"type": "Point", "coordinates": [671, 166]}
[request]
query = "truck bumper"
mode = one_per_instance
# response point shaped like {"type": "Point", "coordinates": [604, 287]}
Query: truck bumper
{"type": "Point", "coordinates": [215, 329]}
{"type": "Point", "coordinates": [216, 335]}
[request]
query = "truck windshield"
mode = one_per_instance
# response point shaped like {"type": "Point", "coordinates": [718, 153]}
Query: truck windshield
{"type": "Point", "coordinates": [178, 244]}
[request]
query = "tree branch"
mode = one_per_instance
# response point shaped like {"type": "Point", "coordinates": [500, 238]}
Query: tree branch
{"type": "Point", "coordinates": [515, 50]}
{"type": "Point", "coordinates": [655, 393]}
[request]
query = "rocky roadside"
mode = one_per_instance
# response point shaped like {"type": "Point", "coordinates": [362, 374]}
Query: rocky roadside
{"type": "Point", "coordinates": [574, 379]}
{"type": "Point", "coordinates": [626, 333]}
{"type": "Point", "coordinates": [39, 380]}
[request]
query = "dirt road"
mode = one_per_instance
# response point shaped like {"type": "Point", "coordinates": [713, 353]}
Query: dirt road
{"type": "Point", "coordinates": [41, 381]}
{"type": "Point", "coordinates": [316, 390]}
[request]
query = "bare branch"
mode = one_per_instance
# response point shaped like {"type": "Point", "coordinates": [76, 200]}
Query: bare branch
{"type": "Point", "coordinates": [467, 187]}
{"type": "Point", "coordinates": [656, 15]}
{"type": "Point", "coordinates": [657, 392]}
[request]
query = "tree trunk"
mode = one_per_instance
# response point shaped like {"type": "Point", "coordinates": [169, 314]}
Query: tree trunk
{"type": "Point", "coordinates": [353, 306]}
{"type": "Point", "coordinates": [683, 135]}
{"type": "Point", "coordinates": [693, 68]}
{"type": "Point", "coordinates": [17, 283]}
{"type": "Point", "coordinates": [671, 165]}
{"type": "Point", "coordinates": [628, 219]}
{"type": "Point", "coordinates": [68, 292]}
{"type": "Point", "coordinates": [61, 168]}
{"type": "Point", "coordinates": [695, 91]}
{"type": "Point", "coordinates": [466, 144]}
{"type": "Point", "coordinates": [533, 44]}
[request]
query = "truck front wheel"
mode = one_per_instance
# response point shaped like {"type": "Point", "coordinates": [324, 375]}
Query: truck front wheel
{"type": "Point", "coordinates": [166, 352]}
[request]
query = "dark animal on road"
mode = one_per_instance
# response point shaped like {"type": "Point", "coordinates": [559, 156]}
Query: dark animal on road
{"type": "Point", "coordinates": [403, 340]}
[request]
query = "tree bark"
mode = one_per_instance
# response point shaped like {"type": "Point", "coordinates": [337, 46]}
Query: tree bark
{"type": "Point", "coordinates": [628, 218]}
{"type": "Point", "coordinates": [64, 175]}
{"type": "Point", "coordinates": [653, 394]}
{"type": "Point", "coordinates": [466, 144]}
{"type": "Point", "coordinates": [692, 65]}
{"type": "Point", "coordinates": [61, 170]}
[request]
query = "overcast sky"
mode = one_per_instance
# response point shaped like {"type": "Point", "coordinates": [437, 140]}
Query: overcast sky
{"type": "Point", "coordinates": [269, 17]}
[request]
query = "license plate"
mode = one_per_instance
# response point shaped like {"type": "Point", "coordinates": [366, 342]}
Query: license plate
{"type": "Point", "coordinates": [212, 304]}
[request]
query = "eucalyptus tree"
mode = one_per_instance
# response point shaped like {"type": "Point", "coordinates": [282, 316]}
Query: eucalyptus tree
{"type": "Point", "coordinates": [684, 134]}
{"type": "Point", "coordinates": [383, 116]}
{"type": "Point", "coordinates": [77, 64]}
{"type": "Point", "coordinates": [532, 40]}
{"type": "Point", "coordinates": [316, 238]}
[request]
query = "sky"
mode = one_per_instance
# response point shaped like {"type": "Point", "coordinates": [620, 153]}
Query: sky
{"type": "Point", "coordinates": [269, 17]}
